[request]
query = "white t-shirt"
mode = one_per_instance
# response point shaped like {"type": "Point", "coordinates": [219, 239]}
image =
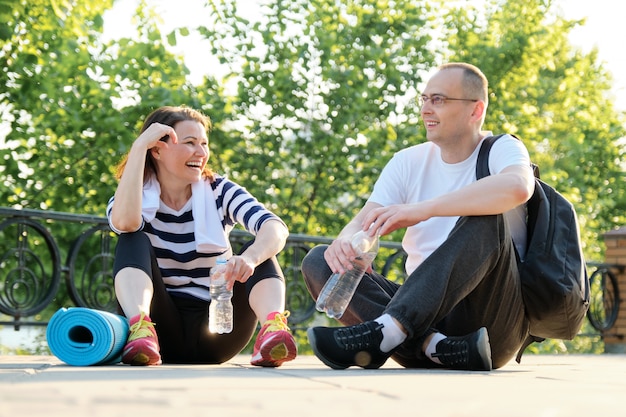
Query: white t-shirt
{"type": "Point", "coordinates": [418, 173]}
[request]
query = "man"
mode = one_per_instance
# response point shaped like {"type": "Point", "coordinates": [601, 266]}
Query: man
{"type": "Point", "coordinates": [461, 305]}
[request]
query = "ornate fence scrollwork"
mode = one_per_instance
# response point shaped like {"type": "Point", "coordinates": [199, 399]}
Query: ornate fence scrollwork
{"type": "Point", "coordinates": [604, 296]}
{"type": "Point", "coordinates": [30, 267]}
{"type": "Point", "coordinates": [90, 269]}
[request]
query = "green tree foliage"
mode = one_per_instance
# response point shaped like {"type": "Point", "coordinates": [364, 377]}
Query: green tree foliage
{"type": "Point", "coordinates": [322, 88]}
{"type": "Point", "coordinates": [74, 103]}
{"type": "Point", "coordinates": [322, 100]}
{"type": "Point", "coordinates": [316, 96]}
{"type": "Point", "coordinates": [554, 98]}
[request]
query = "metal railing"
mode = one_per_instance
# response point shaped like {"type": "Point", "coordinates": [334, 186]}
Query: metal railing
{"type": "Point", "coordinates": [33, 269]}
{"type": "Point", "coordinates": [604, 295]}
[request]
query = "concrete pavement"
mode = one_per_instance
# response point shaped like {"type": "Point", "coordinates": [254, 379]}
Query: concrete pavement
{"type": "Point", "coordinates": [542, 385]}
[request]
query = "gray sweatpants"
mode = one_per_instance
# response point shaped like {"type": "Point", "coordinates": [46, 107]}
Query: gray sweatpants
{"type": "Point", "coordinates": [470, 281]}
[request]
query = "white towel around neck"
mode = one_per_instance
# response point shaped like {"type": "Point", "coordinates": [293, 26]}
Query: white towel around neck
{"type": "Point", "coordinates": [208, 230]}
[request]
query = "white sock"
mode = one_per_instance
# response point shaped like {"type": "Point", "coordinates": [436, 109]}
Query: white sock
{"type": "Point", "coordinates": [432, 346]}
{"type": "Point", "coordinates": [392, 334]}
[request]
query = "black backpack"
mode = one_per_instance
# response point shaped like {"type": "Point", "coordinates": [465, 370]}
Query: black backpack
{"type": "Point", "coordinates": [555, 286]}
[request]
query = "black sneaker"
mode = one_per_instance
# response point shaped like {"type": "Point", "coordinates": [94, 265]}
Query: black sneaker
{"type": "Point", "coordinates": [342, 347]}
{"type": "Point", "coordinates": [471, 352]}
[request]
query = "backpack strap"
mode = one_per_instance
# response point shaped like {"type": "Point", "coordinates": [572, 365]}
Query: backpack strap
{"type": "Point", "coordinates": [482, 170]}
{"type": "Point", "coordinates": [482, 165]}
{"type": "Point", "coordinates": [527, 342]}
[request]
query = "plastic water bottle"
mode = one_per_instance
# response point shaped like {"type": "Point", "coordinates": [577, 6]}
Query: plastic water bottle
{"type": "Point", "coordinates": [221, 307]}
{"type": "Point", "coordinates": [339, 289]}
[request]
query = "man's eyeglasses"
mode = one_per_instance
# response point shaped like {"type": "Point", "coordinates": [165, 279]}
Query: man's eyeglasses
{"type": "Point", "coordinates": [437, 100]}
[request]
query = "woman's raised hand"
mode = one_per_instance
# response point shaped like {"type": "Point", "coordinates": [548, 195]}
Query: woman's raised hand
{"type": "Point", "coordinates": [157, 134]}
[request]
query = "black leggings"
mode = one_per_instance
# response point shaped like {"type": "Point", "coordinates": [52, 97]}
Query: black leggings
{"type": "Point", "coordinates": [181, 321]}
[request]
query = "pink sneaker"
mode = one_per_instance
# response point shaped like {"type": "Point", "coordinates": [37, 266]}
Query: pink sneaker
{"type": "Point", "coordinates": [142, 346]}
{"type": "Point", "coordinates": [274, 344]}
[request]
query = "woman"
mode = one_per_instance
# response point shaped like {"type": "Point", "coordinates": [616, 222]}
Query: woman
{"type": "Point", "coordinates": [173, 216]}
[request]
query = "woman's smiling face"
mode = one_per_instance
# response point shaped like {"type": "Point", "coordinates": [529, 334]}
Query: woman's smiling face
{"type": "Point", "coordinates": [186, 159]}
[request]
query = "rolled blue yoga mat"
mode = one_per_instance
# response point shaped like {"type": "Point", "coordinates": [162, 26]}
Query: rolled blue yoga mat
{"type": "Point", "coordinates": [82, 336]}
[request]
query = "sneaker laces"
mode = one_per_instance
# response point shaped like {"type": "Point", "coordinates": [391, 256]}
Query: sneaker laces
{"type": "Point", "coordinates": [453, 352]}
{"type": "Point", "coordinates": [359, 337]}
{"type": "Point", "coordinates": [141, 328]}
{"type": "Point", "coordinates": [277, 323]}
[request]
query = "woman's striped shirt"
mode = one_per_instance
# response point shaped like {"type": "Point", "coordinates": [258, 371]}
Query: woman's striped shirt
{"type": "Point", "coordinates": [172, 235]}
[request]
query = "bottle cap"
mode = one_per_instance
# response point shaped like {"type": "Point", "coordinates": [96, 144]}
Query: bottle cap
{"type": "Point", "coordinates": [361, 242]}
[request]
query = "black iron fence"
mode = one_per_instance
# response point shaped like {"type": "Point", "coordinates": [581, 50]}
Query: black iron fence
{"type": "Point", "coordinates": [51, 259]}
{"type": "Point", "coordinates": [37, 276]}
